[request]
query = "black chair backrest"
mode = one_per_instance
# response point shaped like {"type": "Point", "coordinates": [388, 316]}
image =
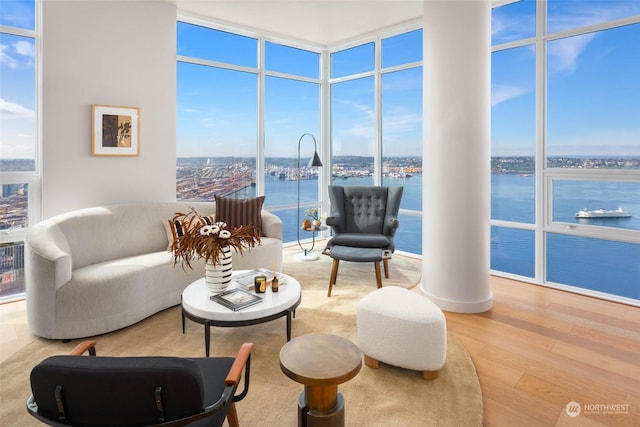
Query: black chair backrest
{"type": "Point", "coordinates": [117, 390]}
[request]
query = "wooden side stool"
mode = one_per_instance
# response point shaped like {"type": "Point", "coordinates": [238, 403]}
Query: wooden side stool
{"type": "Point", "coordinates": [320, 362]}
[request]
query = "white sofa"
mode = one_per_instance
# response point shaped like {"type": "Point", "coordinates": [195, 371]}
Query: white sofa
{"type": "Point", "coordinates": [96, 270]}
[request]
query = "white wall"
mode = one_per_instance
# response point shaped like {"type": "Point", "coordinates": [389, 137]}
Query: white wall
{"type": "Point", "coordinates": [111, 53]}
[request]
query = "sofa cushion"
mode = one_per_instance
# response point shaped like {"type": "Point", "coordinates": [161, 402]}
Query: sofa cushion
{"type": "Point", "coordinates": [237, 212]}
{"type": "Point", "coordinates": [175, 228]}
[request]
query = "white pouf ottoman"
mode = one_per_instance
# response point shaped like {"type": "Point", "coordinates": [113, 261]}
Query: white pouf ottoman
{"type": "Point", "coordinates": [402, 328]}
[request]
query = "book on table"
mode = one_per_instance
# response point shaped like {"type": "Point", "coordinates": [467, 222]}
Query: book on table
{"type": "Point", "coordinates": [236, 299]}
{"type": "Point", "coordinates": [246, 280]}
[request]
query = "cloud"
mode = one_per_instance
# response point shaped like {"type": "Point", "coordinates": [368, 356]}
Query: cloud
{"type": "Point", "coordinates": [6, 59]}
{"type": "Point", "coordinates": [501, 93]}
{"type": "Point", "coordinates": [18, 54]}
{"type": "Point", "coordinates": [11, 110]}
{"type": "Point", "coordinates": [564, 53]}
{"type": "Point", "coordinates": [25, 48]}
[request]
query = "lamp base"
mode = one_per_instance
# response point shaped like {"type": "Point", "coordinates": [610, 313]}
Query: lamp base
{"type": "Point", "coordinates": [306, 256]}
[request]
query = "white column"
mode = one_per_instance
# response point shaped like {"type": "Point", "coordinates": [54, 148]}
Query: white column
{"type": "Point", "coordinates": [456, 154]}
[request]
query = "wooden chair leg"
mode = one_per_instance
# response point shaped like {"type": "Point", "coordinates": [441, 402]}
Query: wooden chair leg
{"type": "Point", "coordinates": [371, 362]}
{"type": "Point", "coordinates": [334, 275]}
{"type": "Point", "coordinates": [232, 416]}
{"type": "Point", "coordinates": [430, 375]}
{"type": "Point", "coordinates": [376, 266]}
{"type": "Point", "coordinates": [385, 262]}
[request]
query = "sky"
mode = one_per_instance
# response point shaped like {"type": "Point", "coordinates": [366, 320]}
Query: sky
{"type": "Point", "coordinates": [593, 89]}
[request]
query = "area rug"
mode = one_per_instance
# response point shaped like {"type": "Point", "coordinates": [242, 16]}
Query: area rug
{"type": "Point", "coordinates": [388, 396]}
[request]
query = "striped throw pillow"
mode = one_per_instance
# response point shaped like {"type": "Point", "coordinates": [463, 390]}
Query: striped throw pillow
{"type": "Point", "coordinates": [175, 229]}
{"type": "Point", "coordinates": [237, 212]}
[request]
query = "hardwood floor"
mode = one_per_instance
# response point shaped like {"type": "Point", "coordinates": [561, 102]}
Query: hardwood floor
{"type": "Point", "coordinates": [536, 351]}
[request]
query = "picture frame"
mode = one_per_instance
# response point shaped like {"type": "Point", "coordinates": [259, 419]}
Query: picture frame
{"type": "Point", "coordinates": [236, 299]}
{"type": "Point", "coordinates": [115, 131]}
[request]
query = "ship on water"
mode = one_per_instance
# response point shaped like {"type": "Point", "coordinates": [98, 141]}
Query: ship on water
{"type": "Point", "coordinates": [603, 213]}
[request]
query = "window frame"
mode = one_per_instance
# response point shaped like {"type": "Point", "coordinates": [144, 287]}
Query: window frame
{"type": "Point", "coordinates": [545, 175]}
{"type": "Point", "coordinates": [33, 179]}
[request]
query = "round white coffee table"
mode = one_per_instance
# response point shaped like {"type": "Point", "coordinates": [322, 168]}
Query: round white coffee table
{"type": "Point", "coordinates": [197, 306]}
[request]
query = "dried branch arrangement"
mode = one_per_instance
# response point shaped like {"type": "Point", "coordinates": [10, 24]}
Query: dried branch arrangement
{"type": "Point", "coordinates": [204, 240]}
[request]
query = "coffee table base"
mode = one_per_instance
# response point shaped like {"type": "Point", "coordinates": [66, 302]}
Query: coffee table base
{"type": "Point", "coordinates": [289, 314]}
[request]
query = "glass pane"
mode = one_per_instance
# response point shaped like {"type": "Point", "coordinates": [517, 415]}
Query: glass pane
{"type": "Point", "coordinates": [513, 141]}
{"type": "Point", "coordinates": [595, 264]}
{"type": "Point", "coordinates": [513, 103]}
{"type": "Point", "coordinates": [289, 223]}
{"type": "Point", "coordinates": [216, 132]}
{"type": "Point", "coordinates": [593, 98]}
{"type": "Point", "coordinates": [290, 60]}
{"type": "Point", "coordinates": [216, 45]}
{"type": "Point", "coordinates": [568, 14]}
{"type": "Point", "coordinates": [18, 129]}
{"type": "Point", "coordinates": [11, 269]}
{"type": "Point", "coordinates": [513, 196]}
{"type": "Point", "coordinates": [292, 109]}
{"type": "Point", "coordinates": [513, 251]}
{"type": "Point", "coordinates": [513, 21]}
{"type": "Point", "coordinates": [402, 134]}
{"type": "Point", "coordinates": [359, 59]}
{"type": "Point", "coordinates": [14, 207]}
{"type": "Point", "coordinates": [408, 236]}
{"type": "Point", "coordinates": [353, 131]}
{"type": "Point", "coordinates": [18, 13]}
{"type": "Point", "coordinates": [402, 49]}
{"type": "Point", "coordinates": [604, 203]}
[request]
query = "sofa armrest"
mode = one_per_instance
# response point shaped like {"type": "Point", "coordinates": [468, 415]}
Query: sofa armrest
{"type": "Point", "coordinates": [49, 255]}
{"type": "Point", "coordinates": [48, 267]}
{"type": "Point", "coordinates": [271, 225]}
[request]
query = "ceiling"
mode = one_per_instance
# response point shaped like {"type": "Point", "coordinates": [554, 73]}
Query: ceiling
{"type": "Point", "coordinates": [317, 22]}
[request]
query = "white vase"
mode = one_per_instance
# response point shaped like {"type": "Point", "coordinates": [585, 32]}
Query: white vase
{"type": "Point", "coordinates": [218, 276]}
{"type": "Point", "coordinates": [316, 223]}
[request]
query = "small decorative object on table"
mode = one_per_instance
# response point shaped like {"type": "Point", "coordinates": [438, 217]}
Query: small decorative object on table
{"type": "Point", "coordinates": [213, 242]}
{"type": "Point", "coordinates": [260, 285]}
{"type": "Point", "coordinates": [314, 213]}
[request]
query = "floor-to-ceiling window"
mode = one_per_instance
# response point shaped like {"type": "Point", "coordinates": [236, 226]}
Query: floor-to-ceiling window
{"type": "Point", "coordinates": [564, 135]}
{"type": "Point", "coordinates": [376, 122]}
{"type": "Point", "coordinates": [19, 141]}
{"type": "Point", "coordinates": [566, 145]}
{"type": "Point", "coordinates": [243, 102]}
{"type": "Point", "coordinates": [291, 109]}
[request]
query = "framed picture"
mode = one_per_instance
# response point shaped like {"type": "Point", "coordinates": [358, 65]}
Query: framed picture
{"type": "Point", "coordinates": [115, 131]}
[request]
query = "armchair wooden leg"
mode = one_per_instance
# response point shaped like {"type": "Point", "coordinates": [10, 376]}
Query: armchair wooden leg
{"type": "Point", "coordinates": [385, 262]}
{"type": "Point", "coordinates": [334, 274]}
{"type": "Point", "coordinates": [232, 416]}
{"type": "Point", "coordinates": [430, 375]}
{"type": "Point", "coordinates": [371, 362]}
{"type": "Point", "coordinates": [376, 265]}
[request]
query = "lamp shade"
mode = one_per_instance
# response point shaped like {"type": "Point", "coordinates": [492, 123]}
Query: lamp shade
{"type": "Point", "coordinates": [315, 161]}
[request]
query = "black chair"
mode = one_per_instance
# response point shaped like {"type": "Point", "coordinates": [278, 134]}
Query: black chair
{"type": "Point", "coordinates": [70, 390]}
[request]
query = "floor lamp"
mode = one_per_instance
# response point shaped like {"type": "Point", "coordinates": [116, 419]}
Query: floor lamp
{"type": "Point", "coordinates": [313, 163]}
